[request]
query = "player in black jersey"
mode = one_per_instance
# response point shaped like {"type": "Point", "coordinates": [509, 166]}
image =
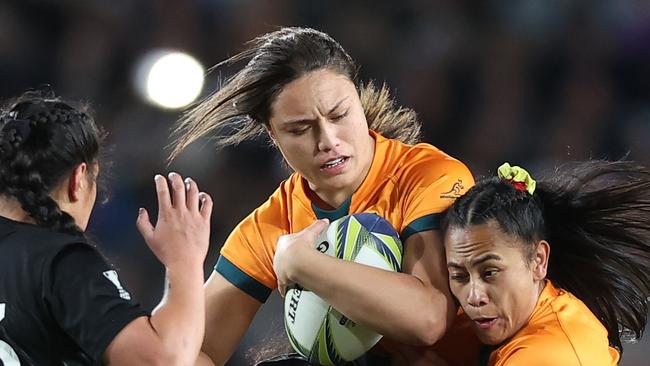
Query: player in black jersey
{"type": "Point", "coordinates": [60, 302]}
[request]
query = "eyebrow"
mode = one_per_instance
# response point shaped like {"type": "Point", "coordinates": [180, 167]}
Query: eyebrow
{"type": "Point", "coordinates": [307, 120]}
{"type": "Point", "coordinates": [475, 262]}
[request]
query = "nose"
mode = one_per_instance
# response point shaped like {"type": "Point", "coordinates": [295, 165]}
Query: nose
{"type": "Point", "coordinates": [327, 136]}
{"type": "Point", "coordinates": [477, 296]}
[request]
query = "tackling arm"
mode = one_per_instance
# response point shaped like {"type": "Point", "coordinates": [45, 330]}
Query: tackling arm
{"type": "Point", "coordinates": [414, 307]}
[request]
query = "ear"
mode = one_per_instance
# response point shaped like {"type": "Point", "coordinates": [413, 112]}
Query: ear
{"type": "Point", "coordinates": [540, 260]}
{"type": "Point", "coordinates": [77, 181]}
{"type": "Point", "coordinates": [269, 131]}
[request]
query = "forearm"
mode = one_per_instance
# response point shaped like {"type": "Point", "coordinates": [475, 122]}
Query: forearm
{"type": "Point", "coordinates": [203, 360]}
{"type": "Point", "coordinates": [179, 319]}
{"type": "Point", "coordinates": [225, 327]}
{"type": "Point", "coordinates": [397, 305]}
{"type": "Point", "coordinates": [229, 312]}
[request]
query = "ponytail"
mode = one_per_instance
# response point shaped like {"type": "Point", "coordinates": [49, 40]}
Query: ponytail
{"type": "Point", "coordinates": [597, 217]}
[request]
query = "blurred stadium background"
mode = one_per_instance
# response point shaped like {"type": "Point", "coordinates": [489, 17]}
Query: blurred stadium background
{"type": "Point", "coordinates": [535, 83]}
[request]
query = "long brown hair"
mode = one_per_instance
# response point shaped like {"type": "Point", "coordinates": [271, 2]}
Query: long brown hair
{"type": "Point", "coordinates": [240, 109]}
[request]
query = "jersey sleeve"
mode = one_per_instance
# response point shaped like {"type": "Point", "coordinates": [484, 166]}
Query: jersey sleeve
{"type": "Point", "coordinates": [429, 187]}
{"type": "Point", "coordinates": [552, 345]}
{"type": "Point", "coordinates": [87, 299]}
{"type": "Point", "coordinates": [246, 258]}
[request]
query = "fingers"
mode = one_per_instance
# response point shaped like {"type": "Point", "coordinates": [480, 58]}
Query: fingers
{"type": "Point", "coordinates": [192, 193]}
{"type": "Point", "coordinates": [206, 205]}
{"type": "Point", "coordinates": [144, 224]}
{"type": "Point", "coordinates": [178, 190]}
{"type": "Point", "coordinates": [162, 191]}
{"type": "Point", "coordinates": [316, 227]}
{"type": "Point", "coordinates": [184, 194]}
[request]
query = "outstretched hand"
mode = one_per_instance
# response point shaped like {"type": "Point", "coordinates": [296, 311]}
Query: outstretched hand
{"type": "Point", "coordinates": [182, 232]}
{"type": "Point", "coordinates": [288, 252]}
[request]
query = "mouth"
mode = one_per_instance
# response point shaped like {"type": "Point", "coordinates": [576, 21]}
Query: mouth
{"type": "Point", "coordinates": [485, 322]}
{"type": "Point", "coordinates": [334, 164]}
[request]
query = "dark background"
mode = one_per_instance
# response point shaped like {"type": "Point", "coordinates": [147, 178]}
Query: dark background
{"type": "Point", "coordinates": [535, 83]}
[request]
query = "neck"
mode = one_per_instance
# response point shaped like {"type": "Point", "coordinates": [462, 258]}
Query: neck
{"type": "Point", "coordinates": [11, 209]}
{"type": "Point", "coordinates": [542, 285]}
{"type": "Point", "coordinates": [329, 202]}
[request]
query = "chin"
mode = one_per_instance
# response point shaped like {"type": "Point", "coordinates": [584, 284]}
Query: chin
{"type": "Point", "coordinates": [336, 182]}
{"type": "Point", "coordinates": [340, 186]}
{"type": "Point", "coordinates": [491, 339]}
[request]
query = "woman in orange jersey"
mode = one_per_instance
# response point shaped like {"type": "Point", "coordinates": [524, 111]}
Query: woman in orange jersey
{"type": "Point", "coordinates": [555, 272]}
{"type": "Point", "coordinates": [351, 151]}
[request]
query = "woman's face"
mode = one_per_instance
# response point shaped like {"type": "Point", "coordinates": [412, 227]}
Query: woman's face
{"type": "Point", "coordinates": [492, 278]}
{"type": "Point", "coordinates": [319, 125]}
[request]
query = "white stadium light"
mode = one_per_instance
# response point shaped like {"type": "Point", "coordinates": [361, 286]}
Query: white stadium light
{"type": "Point", "coordinates": [169, 79]}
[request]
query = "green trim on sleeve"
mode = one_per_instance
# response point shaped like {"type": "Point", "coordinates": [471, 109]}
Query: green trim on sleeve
{"type": "Point", "coordinates": [424, 223]}
{"type": "Point", "coordinates": [241, 280]}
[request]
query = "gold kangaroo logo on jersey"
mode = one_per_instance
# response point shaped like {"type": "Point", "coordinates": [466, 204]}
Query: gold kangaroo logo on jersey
{"type": "Point", "coordinates": [455, 191]}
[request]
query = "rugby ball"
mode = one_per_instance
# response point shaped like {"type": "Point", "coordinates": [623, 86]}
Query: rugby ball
{"type": "Point", "coordinates": [315, 329]}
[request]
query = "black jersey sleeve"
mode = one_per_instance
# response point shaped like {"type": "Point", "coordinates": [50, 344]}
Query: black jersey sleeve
{"type": "Point", "coordinates": [88, 300]}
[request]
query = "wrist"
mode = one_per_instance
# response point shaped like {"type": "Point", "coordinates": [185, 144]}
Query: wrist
{"type": "Point", "coordinates": [301, 260]}
{"type": "Point", "coordinates": [185, 270]}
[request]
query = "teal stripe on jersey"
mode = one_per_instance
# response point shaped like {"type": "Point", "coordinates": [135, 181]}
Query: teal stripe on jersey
{"type": "Point", "coordinates": [243, 281]}
{"type": "Point", "coordinates": [484, 354]}
{"type": "Point", "coordinates": [424, 223]}
{"type": "Point", "coordinates": [332, 215]}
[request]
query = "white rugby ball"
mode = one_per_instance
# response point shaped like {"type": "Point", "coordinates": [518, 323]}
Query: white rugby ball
{"type": "Point", "coordinates": [315, 329]}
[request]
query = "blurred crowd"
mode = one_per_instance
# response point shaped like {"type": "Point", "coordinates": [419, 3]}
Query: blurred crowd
{"type": "Point", "coordinates": [535, 83]}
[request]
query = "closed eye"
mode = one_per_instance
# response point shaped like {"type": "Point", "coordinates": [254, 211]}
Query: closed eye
{"type": "Point", "coordinates": [340, 116]}
{"type": "Point", "coordinates": [299, 130]}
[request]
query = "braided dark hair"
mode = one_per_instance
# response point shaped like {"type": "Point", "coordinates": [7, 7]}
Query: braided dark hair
{"type": "Point", "coordinates": [596, 217]}
{"type": "Point", "coordinates": [42, 139]}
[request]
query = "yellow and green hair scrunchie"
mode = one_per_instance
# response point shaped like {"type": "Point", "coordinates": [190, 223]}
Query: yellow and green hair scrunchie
{"type": "Point", "coordinates": [518, 177]}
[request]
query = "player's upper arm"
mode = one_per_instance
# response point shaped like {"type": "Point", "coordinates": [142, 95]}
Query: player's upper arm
{"type": "Point", "coordinates": [136, 344]}
{"type": "Point", "coordinates": [247, 255]}
{"type": "Point", "coordinates": [425, 259]}
{"type": "Point", "coordinates": [229, 312]}
{"type": "Point", "coordinates": [86, 298]}
{"type": "Point", "coordinates": [243, 278]}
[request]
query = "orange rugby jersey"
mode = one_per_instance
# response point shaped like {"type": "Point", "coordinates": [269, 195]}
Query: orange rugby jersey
{"type": "Point", "coordinates": [409, 185]}
{"type": "Point", "coordinates": [561, 331]}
